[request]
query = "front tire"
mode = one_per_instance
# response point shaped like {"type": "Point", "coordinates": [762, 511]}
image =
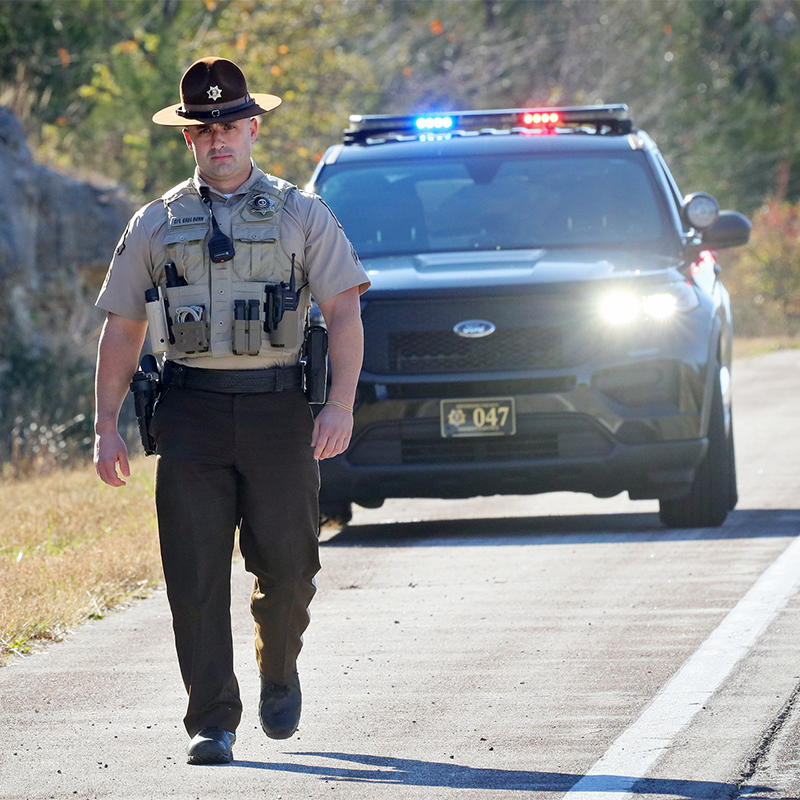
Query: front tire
{"type": "Point", "coordinates": [713, 493]}
{"type": "Point", "coordinates": [336, 514]}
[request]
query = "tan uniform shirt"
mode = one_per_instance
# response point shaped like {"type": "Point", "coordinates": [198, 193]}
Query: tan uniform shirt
{"type": "Point", "coordinates": [308, 228]}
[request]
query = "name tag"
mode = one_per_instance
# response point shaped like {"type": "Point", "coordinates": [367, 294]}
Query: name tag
{"type": "Point", "coordinates": [186, 221]}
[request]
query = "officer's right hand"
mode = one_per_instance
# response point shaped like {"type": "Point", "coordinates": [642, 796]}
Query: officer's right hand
{"type": "Point", "coordinates": [110, 450]}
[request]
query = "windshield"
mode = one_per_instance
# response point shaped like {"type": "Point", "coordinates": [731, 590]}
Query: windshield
{"type": "Point", "coordinates": [490, 203]}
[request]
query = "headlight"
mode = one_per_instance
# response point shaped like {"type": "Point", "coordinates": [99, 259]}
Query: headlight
{"type": "Point", "coordinates": [620, 308]}
{"type": "Point", "coordinates": [659, 306]}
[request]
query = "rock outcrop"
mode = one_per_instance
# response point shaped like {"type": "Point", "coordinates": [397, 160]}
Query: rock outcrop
{"type": "Point", "coordinates": [57, 235]}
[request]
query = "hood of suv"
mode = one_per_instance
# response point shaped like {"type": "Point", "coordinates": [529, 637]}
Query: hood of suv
{"type": "Point", "coordinates": [509, 268]}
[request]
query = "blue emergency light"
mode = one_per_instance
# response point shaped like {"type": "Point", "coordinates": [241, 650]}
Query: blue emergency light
{"type": "Point", "coordinates": [437, 123]}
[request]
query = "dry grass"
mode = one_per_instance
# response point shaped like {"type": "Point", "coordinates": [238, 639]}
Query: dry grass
{"type": "Point", "coordinates": [70, 548]}
{"type": "Point", "coordinates": [750, 346]}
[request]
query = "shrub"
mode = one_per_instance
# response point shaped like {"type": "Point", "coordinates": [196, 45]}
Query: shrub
{"type": "Point", "coordinates": [764, 277]}
{"type": "Point", "coordinates": [46, 402]}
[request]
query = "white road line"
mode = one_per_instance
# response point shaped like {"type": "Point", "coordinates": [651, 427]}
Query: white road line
{"type": "Point", "coordinates": [639, 746]}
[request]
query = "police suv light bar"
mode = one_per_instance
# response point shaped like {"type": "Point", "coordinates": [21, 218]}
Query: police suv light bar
{"type": "Point", "coordinates": [373, 126]}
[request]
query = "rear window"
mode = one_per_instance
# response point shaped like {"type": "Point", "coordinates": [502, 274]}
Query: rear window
{"type": "Point", "coordinates": [494, 203]}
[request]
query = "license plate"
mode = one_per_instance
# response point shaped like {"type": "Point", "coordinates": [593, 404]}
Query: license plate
{"type": "Point", "coordinates": [491, 416]}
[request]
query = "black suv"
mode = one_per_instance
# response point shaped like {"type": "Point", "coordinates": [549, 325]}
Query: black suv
{"type": "Point", "coordinates": [545, 313]}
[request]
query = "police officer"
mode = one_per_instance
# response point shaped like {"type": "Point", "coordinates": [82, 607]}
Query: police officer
{"type": "Point", "coordinates": [230, 259]}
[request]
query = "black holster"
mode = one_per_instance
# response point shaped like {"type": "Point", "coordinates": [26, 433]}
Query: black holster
{"type": "Point", "coordinates": [146, 388]}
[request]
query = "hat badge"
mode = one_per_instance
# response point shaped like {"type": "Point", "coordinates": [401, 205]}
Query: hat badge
{"type": "Point", "coordinates": [214, 93]}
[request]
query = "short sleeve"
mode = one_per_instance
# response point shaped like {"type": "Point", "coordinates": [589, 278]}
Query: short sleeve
{"type": "Point", "coordinates": [330, 262]}
{"type": "Point", "coordinates": [129, 275]}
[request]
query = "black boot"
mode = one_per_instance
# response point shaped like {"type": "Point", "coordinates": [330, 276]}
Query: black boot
{"type": "Point", "coordinates": [280, 706]}
{"type": "Point", "coordinates": [211, 746]}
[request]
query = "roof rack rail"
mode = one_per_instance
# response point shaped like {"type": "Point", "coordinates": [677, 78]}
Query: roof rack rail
{"type": "Point", "coordinates": [605, 118]}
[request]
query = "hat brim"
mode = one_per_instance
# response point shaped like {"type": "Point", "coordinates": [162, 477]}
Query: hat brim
{"type": "Point", "coordinates": [263, 104]}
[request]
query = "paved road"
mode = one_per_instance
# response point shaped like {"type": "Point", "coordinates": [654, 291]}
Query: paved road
{"type": "Point", "coordinates": [541, 647]}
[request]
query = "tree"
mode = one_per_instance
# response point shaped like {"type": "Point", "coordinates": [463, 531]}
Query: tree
{"type": "Point", "coordinates": [711, 80]}
{"type": "Point", "coordinates": [303, 53]}
{"type": "Point", "coordinates": [293, 49]}
{"type": "Point", "coordinates": [49, 48]}
{"type": "Point", "coordinates": [769, 269]}
{"type": "Point", "coordinates": [736, 64]}
{"type": "Point", "coordinates": [138, 74]}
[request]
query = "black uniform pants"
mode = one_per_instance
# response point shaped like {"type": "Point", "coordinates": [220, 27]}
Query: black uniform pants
{"type": "Point", "coordinates": [223, 460]}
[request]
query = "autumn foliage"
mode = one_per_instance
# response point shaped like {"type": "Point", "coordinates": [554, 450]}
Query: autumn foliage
{"type": "Point", "coordinates": [764, 277]}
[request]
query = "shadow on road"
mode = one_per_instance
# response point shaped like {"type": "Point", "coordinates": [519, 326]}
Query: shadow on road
{"type": "Point", "coordinates": [580, 529]}
{"type": "Point", "coordinates": [413, 772]}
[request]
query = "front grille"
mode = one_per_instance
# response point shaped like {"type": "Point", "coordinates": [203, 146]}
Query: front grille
{"type": "Point", "coordinates": [461, 389]}
{"type": "Point", "coordinates": [431, 352]}
{"type": "Point", "coordinates": [475, 450]}
{"type": "Point", "coordinates": [419, 442]}
{"type": "Point", "coordinates": [533, 331]}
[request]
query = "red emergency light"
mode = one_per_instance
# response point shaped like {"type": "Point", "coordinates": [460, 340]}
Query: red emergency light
{"type": "Point", "coordinates": [541, 118]}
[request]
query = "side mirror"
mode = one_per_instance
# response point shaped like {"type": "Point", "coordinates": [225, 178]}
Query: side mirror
{"type": "Point", "coordinates": [700, 210]}
{"type": "Point", "coordinates": [730, 230]}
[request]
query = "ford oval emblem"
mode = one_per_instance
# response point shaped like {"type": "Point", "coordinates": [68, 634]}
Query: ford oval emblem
{"type": "Point", "coordinates": [474, 328]}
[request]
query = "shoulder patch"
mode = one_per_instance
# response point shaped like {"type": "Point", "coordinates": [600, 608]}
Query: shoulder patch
{"type": "Point", "coordinates": [329, 209]}
{"type": "Point", "coordinates": [171, 194]}
{"type": "Point", "coordinates": [121, 244]}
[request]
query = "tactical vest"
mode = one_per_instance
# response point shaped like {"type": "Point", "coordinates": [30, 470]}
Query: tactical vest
{"type": "Point", "coordinates": [222, 308]}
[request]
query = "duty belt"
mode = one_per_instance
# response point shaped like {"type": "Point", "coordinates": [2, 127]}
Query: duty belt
{"type": "Point", "coordinates": [232, 381]}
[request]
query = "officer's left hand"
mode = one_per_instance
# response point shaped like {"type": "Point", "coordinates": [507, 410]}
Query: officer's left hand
{"type": "Point", "coordinates": [332, 431]}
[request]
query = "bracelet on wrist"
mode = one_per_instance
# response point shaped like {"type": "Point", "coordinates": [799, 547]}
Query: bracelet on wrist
{"type": "Point", "coordinates": [339, 405]}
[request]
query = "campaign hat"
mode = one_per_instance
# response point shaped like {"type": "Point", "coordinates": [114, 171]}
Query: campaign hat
{"type": "Point", "coordinates": [214, 90]}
